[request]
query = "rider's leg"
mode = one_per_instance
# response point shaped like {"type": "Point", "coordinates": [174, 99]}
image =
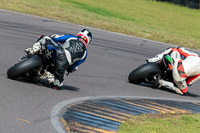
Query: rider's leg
{"type": "Point", "coordinates": [178, 70]}
{"type": "Point", "coordinates": [186, 68]}
{"type": "Point", "coordinates": [43, 40]}
{"type": "Point", "coordinates": [169, 85]}
{"type": "Point", "coordinates": [175, 55]}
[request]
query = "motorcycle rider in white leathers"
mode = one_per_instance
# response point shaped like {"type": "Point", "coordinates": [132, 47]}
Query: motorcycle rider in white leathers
{"type": "Point", "coordinates": [185, 70]}
{"type": "Point", "coordinates": [67, 52]}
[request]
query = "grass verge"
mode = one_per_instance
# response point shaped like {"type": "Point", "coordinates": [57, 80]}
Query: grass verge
{"type": "Point", "coordinates": [149, 19]}
{"type": "Point", "coordinates": [162, 123]}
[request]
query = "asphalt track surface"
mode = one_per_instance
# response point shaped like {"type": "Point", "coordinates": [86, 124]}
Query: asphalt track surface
{"type": "Point", "coordinates": [26, 107]}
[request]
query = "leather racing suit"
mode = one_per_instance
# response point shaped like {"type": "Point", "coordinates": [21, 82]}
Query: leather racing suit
{"type": "Point", "coordinates": [185, 70]}
{"type": "Point", "coordinates": [70, 51]}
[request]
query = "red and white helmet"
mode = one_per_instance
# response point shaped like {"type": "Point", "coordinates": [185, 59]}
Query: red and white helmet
{"type": "Point", "coordinates": [86, 35]}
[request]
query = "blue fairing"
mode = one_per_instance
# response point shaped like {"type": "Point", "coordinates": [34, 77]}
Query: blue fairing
{"type": "Point", "coordinates": [63, 38]}
{"type": "Point", "coordinates": [50, 47]}
{"type": "Point", "coordinates": [183, 57]}
{"type": "Point", "coordinates": [79, 62]}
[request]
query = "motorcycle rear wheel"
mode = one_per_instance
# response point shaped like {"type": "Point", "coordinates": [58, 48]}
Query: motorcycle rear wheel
{"type": "Point", "coordinates": [24, 66]}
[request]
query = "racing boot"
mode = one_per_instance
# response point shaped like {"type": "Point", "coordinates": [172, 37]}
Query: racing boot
{"type": "Point", "coordinates": [36, 47]}
{"type": "Point", "coordinates": [170, 86]}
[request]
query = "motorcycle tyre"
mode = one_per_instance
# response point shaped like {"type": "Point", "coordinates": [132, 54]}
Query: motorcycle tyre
{"type": "Point", "coordinates": [24, 66]}
{"type": "Point", "coordinates": [138, 75]}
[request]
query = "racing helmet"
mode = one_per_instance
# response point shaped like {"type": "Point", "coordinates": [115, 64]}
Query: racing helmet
{"type": "Point", "coordinates": [86, 35]}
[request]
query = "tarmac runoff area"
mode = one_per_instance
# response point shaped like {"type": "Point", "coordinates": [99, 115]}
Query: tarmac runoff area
{"type": "Point", "coordinates": [106, 114]}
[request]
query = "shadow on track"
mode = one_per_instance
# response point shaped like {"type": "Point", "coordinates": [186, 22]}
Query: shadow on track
{"type": "Point", "coordinates": [46, 84]}
{"type": "Point", "coordinates": [191, 95]}
{"type": "Point", "coordinates": [188, 94]}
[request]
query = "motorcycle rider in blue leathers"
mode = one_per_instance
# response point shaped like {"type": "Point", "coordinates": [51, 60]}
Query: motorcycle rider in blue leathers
{"type": "Point", "coordinates": [69, 51]}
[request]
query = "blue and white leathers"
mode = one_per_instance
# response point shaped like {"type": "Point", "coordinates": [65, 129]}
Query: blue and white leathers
{"type": "Point", "coordinates": [70, 52]}
{"type": "Point", "coordinates": [75, 49]}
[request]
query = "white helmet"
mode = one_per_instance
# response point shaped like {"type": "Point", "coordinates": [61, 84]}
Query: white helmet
{"type": "Point", "coordinates": [86, 35]}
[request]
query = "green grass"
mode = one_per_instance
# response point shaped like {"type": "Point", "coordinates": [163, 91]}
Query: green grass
{"type": "Point", "coordinates": [149, 19]}
{"type": "Point", "coordinates": [173, 123]}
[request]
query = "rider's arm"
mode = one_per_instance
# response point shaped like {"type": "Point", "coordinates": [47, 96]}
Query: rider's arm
{"type": "Point", "coordinates": [63, 38]}
{"type": "Point", "coordinates": [61, 64]}
{"type": "Point", "coordinates": [159, 56]}
{"type": "Point", "coordinates": [75, 65]}
{"type": "Point", "coordinates": [186, 53]}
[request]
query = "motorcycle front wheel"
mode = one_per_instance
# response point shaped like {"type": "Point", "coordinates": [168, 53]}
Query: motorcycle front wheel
{"type": "Point", "coordinates": [143, 73]}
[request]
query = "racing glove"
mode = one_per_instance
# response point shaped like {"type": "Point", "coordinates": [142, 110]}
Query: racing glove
{"type": "Point", "coordinates": [71, 69]}
{"type": "Point", "coordinates": [56, 84]}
